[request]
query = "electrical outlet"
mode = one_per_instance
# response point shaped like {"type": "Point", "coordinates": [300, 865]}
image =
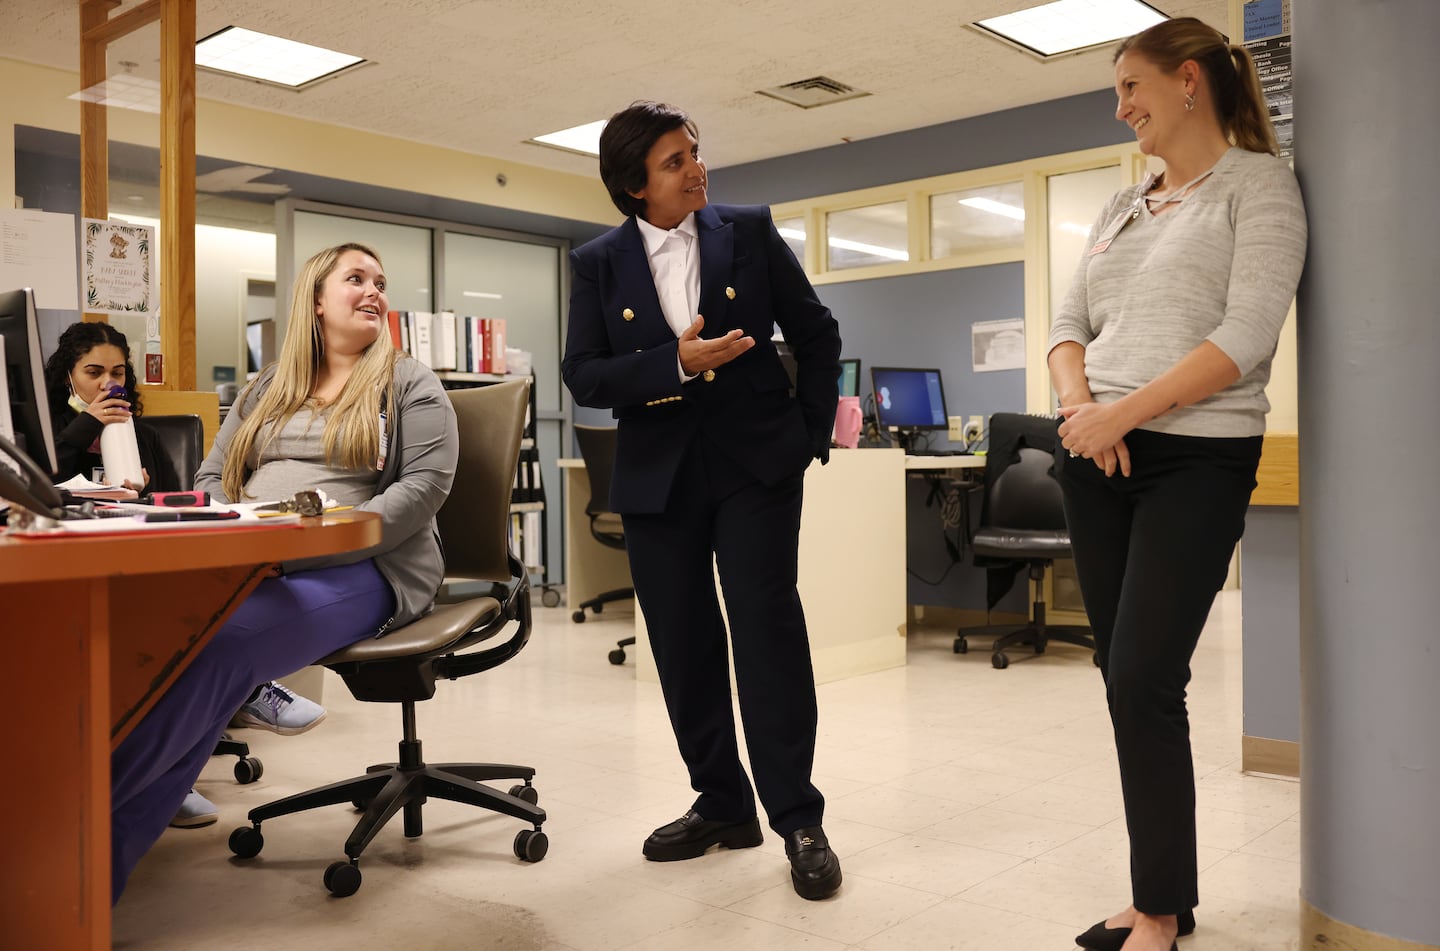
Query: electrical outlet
{"type": "Point", "coordinates": [957, 428]}
{"type": "Point", "coordinates": [974, 429]}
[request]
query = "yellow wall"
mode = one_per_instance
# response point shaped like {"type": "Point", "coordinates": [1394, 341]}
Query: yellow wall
{"type": "Point", "coordinates": [36, 96]}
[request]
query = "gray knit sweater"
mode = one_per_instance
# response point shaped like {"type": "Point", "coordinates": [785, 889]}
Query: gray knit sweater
{"type": "Point", "coordinates": [1222, 267]}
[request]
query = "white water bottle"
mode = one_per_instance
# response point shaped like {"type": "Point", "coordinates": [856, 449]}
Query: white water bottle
{"type": "Point", "coordinates": [120, 453]}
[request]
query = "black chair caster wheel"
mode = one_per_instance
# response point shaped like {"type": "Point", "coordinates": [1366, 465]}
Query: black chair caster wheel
{"type": "Point", "coordinates": [962, 646]}
{"type": "Point", "coordinates": [1095, 659]}
{"type": "Point", "coordinates": [617, 656]}
{"type": "Point", "coordinates": [360, 804]}
{"type": "Point", "coordinates": [531, 845]}
{"type": "Point", "coordinates": [598, 608]}
{"type": "Point", "coordinates": [578, 617]}
{"type": "Point", "coordinates": [246, 842]}
{"type": "Point", "coordinates": [248, 769]}
{"type": "Point", "coordinates": [550, 598]}
{"type": "Point", "coordinates": [528, 793]}
{"type": "Point", "coordinates": [342, 879]}
{"type": "Point", "coordinates": [999, 661]}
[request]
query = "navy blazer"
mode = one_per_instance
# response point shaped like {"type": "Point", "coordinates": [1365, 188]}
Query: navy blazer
{"type": "Point", "coordinates": [620, 354]}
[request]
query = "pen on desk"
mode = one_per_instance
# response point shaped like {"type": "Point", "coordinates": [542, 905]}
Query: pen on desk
{"type": "Point", "coordinates": [188, 516]}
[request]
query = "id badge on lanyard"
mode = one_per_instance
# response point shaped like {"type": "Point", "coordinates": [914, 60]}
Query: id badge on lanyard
{"type": "Point", "coordinates": [1114, 228]}
{"type": "Point", "coordinates": [384, 445]}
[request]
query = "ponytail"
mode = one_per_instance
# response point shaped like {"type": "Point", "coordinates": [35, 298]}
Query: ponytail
{"type": "Point", "coordinates": [1249, 125]}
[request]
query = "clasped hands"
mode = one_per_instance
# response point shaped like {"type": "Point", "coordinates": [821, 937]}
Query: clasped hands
{"type": "Point", "coordinates": [1097, 432]}
{"type": "Point", "coordinates": [698, 354]}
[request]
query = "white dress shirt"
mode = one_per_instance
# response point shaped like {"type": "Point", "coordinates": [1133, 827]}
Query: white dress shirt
{"type": "Point", "coordinates": [674, 258]}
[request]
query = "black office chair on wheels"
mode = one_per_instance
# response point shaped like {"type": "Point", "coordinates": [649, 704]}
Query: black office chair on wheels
{"type": "Point", "coordinates": [402, 666]}
{"type": "Point", "coordinates": [183, 439]}
{"type": "Point", "coordinates": [597, 448]}
{"type": "Point", "coordinates": [1022, 526]}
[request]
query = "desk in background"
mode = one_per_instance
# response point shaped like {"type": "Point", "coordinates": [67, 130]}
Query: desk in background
{"type": "Point", "coordinates": [852, 562]}
{"type": "Point", "coordinates": [95, 629]}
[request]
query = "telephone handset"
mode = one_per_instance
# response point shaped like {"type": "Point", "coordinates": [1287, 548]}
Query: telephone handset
{"type": "Point", "coordinates": [36, 493]}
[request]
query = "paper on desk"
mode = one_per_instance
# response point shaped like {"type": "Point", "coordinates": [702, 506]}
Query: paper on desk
{"type": "Point", "coordinates": [81, 487]}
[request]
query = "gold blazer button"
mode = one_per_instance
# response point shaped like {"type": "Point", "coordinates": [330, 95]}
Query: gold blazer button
{"type": "Point", "coordinates": [708, 376]}
{"type": "Point", "coordinates": [628, 314]}
{"type": "Point", "coordinates": [730, 292]}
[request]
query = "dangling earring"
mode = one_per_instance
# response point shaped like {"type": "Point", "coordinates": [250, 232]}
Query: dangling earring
{"type": "Point", "coordinates": [1189, 102]}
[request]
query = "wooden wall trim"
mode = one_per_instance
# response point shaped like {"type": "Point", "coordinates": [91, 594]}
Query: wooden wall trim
{"type": "Point", "coordinates": [1260, 754]}
{"type": "Point", "coordinates": [1278, 481]}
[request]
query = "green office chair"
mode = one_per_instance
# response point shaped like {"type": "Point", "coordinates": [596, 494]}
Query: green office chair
{"type": "Point", "coordinates": [402, 666]}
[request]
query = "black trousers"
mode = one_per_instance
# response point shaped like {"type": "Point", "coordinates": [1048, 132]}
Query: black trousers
{"type": "Point", "coordinates": [1151, 551]}
{"type": "Point", "coordinates": [753, 532]}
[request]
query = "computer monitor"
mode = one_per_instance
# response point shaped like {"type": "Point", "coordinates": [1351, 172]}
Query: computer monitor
{"type": "Point", "coordinates": [908, 399]}
{"type": "Point", "coordinates": [25, 378]}
{"type": "Point", "coordinates": [850, 376]}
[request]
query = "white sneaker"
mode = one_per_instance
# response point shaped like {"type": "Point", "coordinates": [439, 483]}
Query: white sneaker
{"type": "Point", "coordinates": [195, 811]}
{"type": "Point", "coordinates": [279, 710]}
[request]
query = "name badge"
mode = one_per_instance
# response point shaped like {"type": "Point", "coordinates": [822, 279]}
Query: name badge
{"type": "Point", "coordinates": [1108, 235]}
{"type": "Point", "coordinates": [384, 445]}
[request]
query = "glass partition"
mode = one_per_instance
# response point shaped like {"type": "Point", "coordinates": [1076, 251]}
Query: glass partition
{"type": "Point", "coordinates": [987, 218]}
{"type": "Point", "coordinates": [874, 234]}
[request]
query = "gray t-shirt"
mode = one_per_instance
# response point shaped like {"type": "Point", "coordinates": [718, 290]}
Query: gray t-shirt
{"type": "Point", "coordinates": [296, 457]}
{"type": "Point", "coordinates": [1221, 267]}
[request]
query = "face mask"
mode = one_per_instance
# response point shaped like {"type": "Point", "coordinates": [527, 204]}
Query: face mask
{"type": "Point", "coordinates": [76, 403]}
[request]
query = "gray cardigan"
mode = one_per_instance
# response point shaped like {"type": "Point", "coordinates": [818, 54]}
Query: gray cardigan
{"type": "Point", "coordinates": [423, 451]}
{"type": "Point", "coordinates": [1222, 267]}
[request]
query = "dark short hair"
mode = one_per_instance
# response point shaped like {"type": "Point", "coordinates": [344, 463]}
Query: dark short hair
{"type": "Point", "coordinates": [626, 142]}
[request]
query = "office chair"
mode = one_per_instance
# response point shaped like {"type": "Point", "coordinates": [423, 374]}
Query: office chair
{"type": "Point", "coordinates": [402, 666]}
{"type": "Point", "coordinates": [597, 448]}
{"type": "Point", "coordinates": [1022, 525]}
{"type": "Point", "coordinates": [183, 440]}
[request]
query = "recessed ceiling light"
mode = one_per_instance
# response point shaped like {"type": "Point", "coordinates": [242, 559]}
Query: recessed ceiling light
{"type": "Point", "coordinates": [270, 59]}
{"type": "Point", "coordinates": [487, 295]}
{"type": "Point", "coordinates": [584, 139]}
{"type": "Point", "coordinates": [123, 92]}
{"type": "Point", "coordinates": [994, 207]}
{"type": "Point", "coordinates": [1068, 26]}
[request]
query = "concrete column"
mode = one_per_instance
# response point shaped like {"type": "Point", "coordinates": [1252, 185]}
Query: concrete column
{"type": "Point", "coordinates": [1366, 146]}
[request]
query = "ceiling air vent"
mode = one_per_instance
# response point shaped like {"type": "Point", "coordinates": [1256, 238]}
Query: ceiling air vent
{"type": "Point", "coordinates": [812, 92]}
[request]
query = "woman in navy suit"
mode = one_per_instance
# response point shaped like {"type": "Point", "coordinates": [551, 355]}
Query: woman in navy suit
{"type": "Point", "coordinates": [671, 316]}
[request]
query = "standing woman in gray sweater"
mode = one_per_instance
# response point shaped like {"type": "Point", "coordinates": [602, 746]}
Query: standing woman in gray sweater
{"type": "Point", "coordinates": [1160, 357]}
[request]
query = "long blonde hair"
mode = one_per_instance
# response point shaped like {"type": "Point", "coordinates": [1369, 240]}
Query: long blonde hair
{"type": "Point", "coordinates": [352, 427]}
{"type": "Point", "coordinates": [1229, 72]}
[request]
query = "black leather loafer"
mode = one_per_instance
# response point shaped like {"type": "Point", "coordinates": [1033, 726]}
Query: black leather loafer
{"type": "Point", "coordinates": [814, 867]}
{"type": "Point", "coordinates": [1101, 938]}
{"type": "Point", "coordinates": [692, 835]}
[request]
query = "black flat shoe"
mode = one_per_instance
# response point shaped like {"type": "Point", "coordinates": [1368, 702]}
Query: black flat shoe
{"type": "Point", "coordinates": [1101, 938]}
{"type": "Point", "coordinates": [692, 835]}
{"type": "Point", "coordinates": [814, 867]}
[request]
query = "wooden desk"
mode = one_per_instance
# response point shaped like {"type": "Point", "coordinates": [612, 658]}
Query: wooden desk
{"type": "Point", "coordinates": [94, 630]}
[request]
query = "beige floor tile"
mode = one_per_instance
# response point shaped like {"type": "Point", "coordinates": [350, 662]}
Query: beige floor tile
{"type": "Point", "coordinates": [1012, 833]}
{"type": "Point", "coordinates": [1063, 802]}
{"type": "Point", "coordinates": [1244, 876]}
{"type": "Point", "coordinates": [862, 908]}
{"type": "Point", "coordinates": [959, 925]}
{"type": "Point", "coordinates": [722, 930]}
{"type": "Point", "coordinates": [929, 864]}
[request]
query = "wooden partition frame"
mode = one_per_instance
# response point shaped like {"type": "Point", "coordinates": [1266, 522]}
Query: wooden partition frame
{"type": "Point", "coordinates": [177, 160]}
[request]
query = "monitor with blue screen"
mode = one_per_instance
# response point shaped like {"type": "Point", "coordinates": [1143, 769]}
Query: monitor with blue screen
{"type": "Point", "coordinates": [908, 399]}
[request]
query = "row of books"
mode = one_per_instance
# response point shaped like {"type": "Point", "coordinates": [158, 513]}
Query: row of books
{"type": "Point", "coordinates": [527, 487]}
{"type": "Point", "coordinates": [525, 539]}
{"type": "Point", "coordinates": [445, 341]}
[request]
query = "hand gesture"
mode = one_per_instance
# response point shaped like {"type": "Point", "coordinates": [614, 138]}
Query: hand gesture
{"type": "Point", "coordinates": [698, 354]}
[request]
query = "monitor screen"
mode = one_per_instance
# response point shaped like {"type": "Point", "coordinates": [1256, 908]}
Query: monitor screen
{"type": "Point", "coordinates": [850, 377]}
{"type": "Point", "coordinates": [29, 415]}
{"type": "Point", "coordinates": [908, 398]}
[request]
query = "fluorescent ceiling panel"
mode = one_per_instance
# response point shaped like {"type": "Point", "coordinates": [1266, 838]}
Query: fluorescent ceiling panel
{"type": "Point", "coordinates": [1067, 26]}
{"type": "Point", "coordinates": [270, 59]}
{"type": "Point", "coordinates": [584, 139]}
{"type": "Point", "coordinates": [994, 207]}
